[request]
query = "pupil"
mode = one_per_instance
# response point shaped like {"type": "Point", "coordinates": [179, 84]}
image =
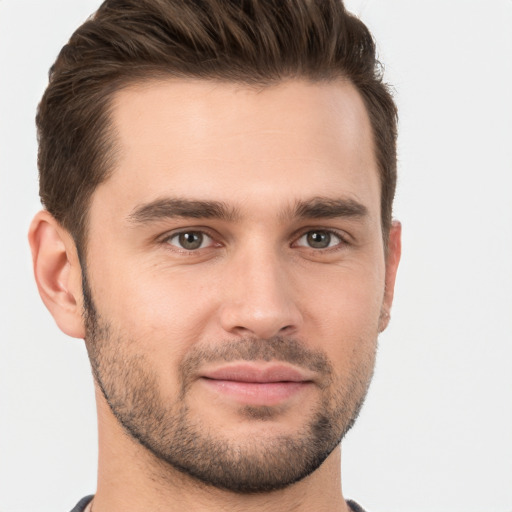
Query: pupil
{"type": "Point", "coordinates": [319, 239]}
{"type": "Point", "coordinates": [191, 240]}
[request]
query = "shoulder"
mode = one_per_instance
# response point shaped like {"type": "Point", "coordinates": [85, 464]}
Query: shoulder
{"type": "Point", "coordinates": [354, 507]}
{"type": "Point", "coordinates": [80, 506]}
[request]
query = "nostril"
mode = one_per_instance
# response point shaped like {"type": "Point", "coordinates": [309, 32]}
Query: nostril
{"type": "Point", "coordinates": [260, 329]}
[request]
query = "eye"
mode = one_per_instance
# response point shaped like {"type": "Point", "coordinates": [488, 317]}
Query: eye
{"type": "Point", "coordinates": [319, 239]}
{"type": "Point", "coordinates": [190, 240]}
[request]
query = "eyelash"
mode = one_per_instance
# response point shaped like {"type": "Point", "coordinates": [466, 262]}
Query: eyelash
{"type": "Point", "coordinates": [167, 238]}
{"type": "Point", "coordinates": [343, 240]}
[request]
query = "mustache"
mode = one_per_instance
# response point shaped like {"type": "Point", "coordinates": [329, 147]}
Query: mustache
{"type": "Point", "coordinates": [277, 348]}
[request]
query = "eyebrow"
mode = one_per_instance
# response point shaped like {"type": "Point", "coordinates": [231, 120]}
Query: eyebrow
{"type": "Point", "coordinates": [315, 208]}
{"type": "Point", "coordinates": [169, 208]}
{"type": "Point", "coordinates": [328, 208]}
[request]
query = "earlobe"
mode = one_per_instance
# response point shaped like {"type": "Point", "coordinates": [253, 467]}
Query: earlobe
{"type": "Point", "coordinates": [394, 251]}
{"type": "Point", "coordinates": [57, 272]}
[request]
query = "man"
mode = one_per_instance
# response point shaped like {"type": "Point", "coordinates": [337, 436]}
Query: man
{"type": "Point", "coordinates": [218, 179]}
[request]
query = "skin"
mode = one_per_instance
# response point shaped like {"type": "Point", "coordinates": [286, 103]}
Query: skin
{"type": "Point", "coordinates": [259, 153]}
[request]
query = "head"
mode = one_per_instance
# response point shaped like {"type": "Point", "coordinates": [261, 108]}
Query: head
{"type": "Point", "coordinates": [220, 178]}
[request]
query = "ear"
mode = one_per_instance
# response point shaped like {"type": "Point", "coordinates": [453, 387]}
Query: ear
{"type": "Point", "coordinates": [394, 251]}
{"type": "Point", "coordinates": [57, 272]}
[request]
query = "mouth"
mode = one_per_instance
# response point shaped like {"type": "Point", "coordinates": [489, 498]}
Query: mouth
{"type": "Point", "coordinates": [253, 384]}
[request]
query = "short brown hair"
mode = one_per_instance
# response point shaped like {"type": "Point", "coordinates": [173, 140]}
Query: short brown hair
{"type": "Point", "coordinates": [246, 41]}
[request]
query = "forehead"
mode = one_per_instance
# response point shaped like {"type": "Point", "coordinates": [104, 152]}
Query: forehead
{"type": "Point", "coordinates": [223, 141]}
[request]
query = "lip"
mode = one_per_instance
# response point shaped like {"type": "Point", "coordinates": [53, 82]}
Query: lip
{"type": "Point", "coordinates": [257, 373]}
{"type": "Point", "coordinates": [252, 384]}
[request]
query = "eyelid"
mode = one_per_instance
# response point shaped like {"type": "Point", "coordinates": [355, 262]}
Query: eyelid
{"type": "Point", "coordinates": [164, 239]}
{"type": "Point", "coordinates": [341, 235]}
{"type": "Point", "coordinates": [344, 238]}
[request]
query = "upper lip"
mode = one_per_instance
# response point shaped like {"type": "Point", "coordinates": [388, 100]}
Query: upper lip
{"type": "Point", "coordinates": [245, 372]}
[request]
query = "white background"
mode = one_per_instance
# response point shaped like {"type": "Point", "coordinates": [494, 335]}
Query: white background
{"type": "Point", "coordinates": [436, 432]}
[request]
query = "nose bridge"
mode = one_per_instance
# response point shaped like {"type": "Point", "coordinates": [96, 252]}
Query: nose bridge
{"type": "Point", "coordinates": [259, 298]}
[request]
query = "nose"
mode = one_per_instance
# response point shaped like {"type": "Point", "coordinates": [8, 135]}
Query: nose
{"type": "Point", "coordinates": [259, 299]}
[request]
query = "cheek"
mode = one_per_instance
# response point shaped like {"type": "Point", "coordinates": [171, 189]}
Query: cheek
{"type": "Point", "coordinates": [156, 318]}
{"type": "Point", "coordinates": [343, 315]}
{"type": "Point", "coordinates": [166, 311]}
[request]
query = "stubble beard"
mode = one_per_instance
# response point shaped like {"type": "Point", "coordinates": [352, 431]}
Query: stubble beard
{"type": "Point", "coordinates": [171, 433]}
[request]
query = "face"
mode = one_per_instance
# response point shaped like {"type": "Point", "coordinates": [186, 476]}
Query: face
{"type": "Point", "coordinates": [236, 276]}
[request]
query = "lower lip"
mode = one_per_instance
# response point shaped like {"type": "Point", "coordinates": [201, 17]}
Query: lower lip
{"type": "Point", "coordinates": [257, 393]}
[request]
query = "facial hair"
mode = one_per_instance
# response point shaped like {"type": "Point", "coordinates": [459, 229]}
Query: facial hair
{"type": "Point", "coordinates": [172, 434]}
